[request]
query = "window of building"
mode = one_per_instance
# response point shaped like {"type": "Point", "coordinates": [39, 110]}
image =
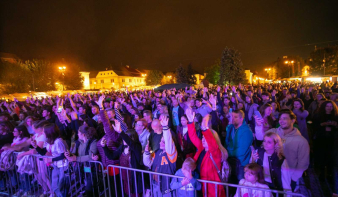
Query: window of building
{"type": "Point", "coordinates": [102, 81]}
{"type": "Point", "coordinates": [123, 80]}
{"type": "Point", "coordinates": [112, 80]}
{"type": "Point", "coordinates": [129, 80]}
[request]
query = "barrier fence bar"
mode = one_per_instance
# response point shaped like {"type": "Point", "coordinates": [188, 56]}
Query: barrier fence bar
{"type": "Point", "coordinates": [227, 186]}
{"type": "Point", "coordinates": [93, 179]}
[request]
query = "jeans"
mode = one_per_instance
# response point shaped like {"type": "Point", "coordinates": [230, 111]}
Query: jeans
{"type": "Point", "coordinates": [240, 174]}
{"type": "Point", "coordinates": [157, 192]}
{"type": "Point", "coordinates": [25, 181]}
{"type": "Point", "coordinates": [59, 185]}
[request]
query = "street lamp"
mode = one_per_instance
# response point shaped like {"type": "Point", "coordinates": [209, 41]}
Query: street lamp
{"type": "Point", "coordinates": [62, 71]}
{"type": "Point", "coordinates": [289, 63]}
{"type": "Point", "coordinates": [267, 71]}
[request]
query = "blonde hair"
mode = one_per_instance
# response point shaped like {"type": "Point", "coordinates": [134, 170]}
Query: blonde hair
{"type": "Point", "coordinates": [189, 164]}
{"type": "Point", "coordinates": [278, 143]}
{"type": "Point", "coordinates": [220, 146]}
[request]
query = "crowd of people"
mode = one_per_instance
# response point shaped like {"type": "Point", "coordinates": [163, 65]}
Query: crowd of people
{"type": "Point", "coordinates": [265, 134]}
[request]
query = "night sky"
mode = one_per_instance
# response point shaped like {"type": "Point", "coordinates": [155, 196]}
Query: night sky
{"type": "Point", "coordinates": [161, 34]}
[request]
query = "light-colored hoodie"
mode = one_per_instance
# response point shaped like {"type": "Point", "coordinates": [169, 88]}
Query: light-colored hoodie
{"type": "Point", "coordinates": [296, 151]}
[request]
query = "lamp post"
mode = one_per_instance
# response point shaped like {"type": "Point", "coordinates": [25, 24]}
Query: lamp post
{"type": "Point", "coordinates": [289, 63]}
{"type": "Point", "coordinates": [267, 72]}
{"type": "Point", "coordinates": [62, 70]}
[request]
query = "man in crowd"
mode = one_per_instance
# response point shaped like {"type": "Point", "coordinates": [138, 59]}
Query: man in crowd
{"type": "Point", "coordinates": [296, 147]}
{"type": "Point", "coordinates": [238, 141]}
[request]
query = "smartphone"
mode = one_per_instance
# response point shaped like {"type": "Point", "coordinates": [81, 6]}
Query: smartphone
{"type": "Point", "coordinates": [256, 113]}
{"type": "Point", "coordinates": [60, 109]}
{"type": "Point", "coordinates": [230, 110]}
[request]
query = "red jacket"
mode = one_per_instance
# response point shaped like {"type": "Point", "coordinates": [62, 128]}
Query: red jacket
{"type": "Point", "coordinates": [208, 170]}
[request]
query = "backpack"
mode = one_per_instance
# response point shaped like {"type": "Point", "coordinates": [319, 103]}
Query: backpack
{"type": "Point", "coordinates": [7, 160]}
{"type": "Point", "coordinates": [224, 172]}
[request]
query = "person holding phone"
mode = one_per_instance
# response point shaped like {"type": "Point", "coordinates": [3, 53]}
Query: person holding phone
{"type": "Point", "coordinates": [264, 121]}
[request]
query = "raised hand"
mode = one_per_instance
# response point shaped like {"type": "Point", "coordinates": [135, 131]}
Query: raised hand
{"type": "Point", "coordinates": [212, 99]}
{"type": "Point", "coordinates": [218, 88]}
{"type": "Point", "coordinates": [164, 120]}
{"type": "Point", "coordinates": [254, 155]}
{"type": "Point", "coordinates": [117, 126]}
{"type": "Point", "coordinates": [103, 142]}
{"type": "Point", "coordinates": [190, 114]}
{"type": "Point", "coordinates": [147, 148]}
{"type": "Point", "coordinates": [234, 89]}
{"type": "Point", "coordinates": [185, 181]}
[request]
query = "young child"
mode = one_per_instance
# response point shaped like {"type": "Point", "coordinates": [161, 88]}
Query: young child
{"type": "Point", "coordinates": [275, 168]}
{"type": "Point", "coordinates": [186, 186]}
{"type": "Point", "coordinates": [253, 177]}
{"type": "Point", "coordinates": [57, 147]}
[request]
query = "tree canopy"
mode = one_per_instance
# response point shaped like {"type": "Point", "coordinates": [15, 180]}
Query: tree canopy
{"type": "Point", "coordinates": [181, 74]}
{"type": "Point", "coordinates": [154, 77]}
{"type": "Point", "coordinates": [327, 54]}
{"type": "Point", "coordinates": [231, 67]}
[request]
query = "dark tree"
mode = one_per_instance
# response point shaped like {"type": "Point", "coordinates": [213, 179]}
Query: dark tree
{"type": "Point", "coordinates": [191, 75]}
{"type": "Point", "coordinates": [327, 54]}
{"type": "Point", "coordinates": [72, 78]}
{"type": "Point", "coordinates": [13, 77]}
{"type": "Point", "coordinates": [43, 75]}
{"type": "Point", "coordinates": [213, 72]}
{"type": "Point", "coordinates": [231, 67]}
{"type": "Point", "coordinates": [181, 74]}
{"type": "Point", "coordinates": [154, 77]}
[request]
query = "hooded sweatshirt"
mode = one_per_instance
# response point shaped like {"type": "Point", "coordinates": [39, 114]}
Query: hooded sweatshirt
{"type": "Point", "coordinates": [296, 151]}
{"type": "Point", "coordinates": [187, 190]}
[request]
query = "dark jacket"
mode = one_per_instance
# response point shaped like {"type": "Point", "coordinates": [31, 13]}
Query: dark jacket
{"type": "Point", "coordinates": [112, 137]}
{"type": "Point", "coordinates": [180, 114]}
{"type": "Point", "coordinates": [135, 159]}
{"type": "Point", "coordinates": [275, 167]}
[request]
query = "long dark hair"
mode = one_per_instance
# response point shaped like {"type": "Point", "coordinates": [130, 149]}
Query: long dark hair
{"type": "Point", "coordinates": [262, 111]}
{"type": "Point", "coordinates": [88, 132]}
{"type": "Point", "coordinates": [322, 111]}
{"type": "Point", "coordinates": [301, 103]}
{"type": "Point", "coordinates": [52, 133]}
{"type": "Point", "coordinates": [133, 135]}
{"type": "Point", "coordinates": [24, 131]}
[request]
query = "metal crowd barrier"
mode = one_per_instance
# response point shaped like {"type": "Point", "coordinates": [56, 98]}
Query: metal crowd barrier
{"type": "Point", "coordinates": [92, 179]}
{"type": "Point", "coordinates": [80, 178]}
{"type": "Point", "coordinates": [148, 182]}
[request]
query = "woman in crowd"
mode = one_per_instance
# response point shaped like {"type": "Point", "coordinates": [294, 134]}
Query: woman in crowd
{"type": "Point", "coordinates": [85, 148]}
{"type": "Point", "coordinates": [247, 104]}
{"type": "Point", "coordinates": [271, 158]}
{"type": "Point", "coordinates": [187, 147]}
{"type": "Point", "coordinates": [263, 124]}
{"type": "Point", "coordinates": [275, 109]}
{"type": "Point", "coordinates": [21, 135]}
{"type": "Point", "coordinates": [224, 118]}
{"type": "Point", "coordinates": [130, 155]}
{"type": "Point", "coordinates": [57, 147]}
{"type": "Point", "coordinates": [301, 113]}
{"type": "Point", "coordinates": [29, 124]}
{"type": "Point", "coordinates": [324, 137]}
{"type": "Point", "coordinates": [41, 174]}
{"type": "Point", "coordinates": [206, 148]}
